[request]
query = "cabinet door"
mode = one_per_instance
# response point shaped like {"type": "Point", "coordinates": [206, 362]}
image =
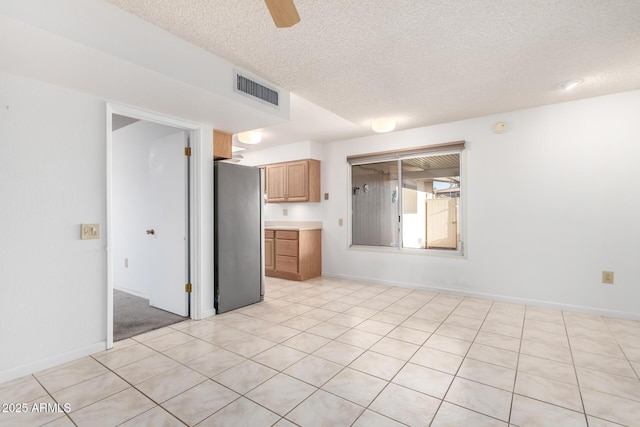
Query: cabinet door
{"type": "Point", "coordinates": [269, 254]}
{"type": "Point", "coordinates": [221, 145]}
{"type": "Point", "coordinates": [276, 182]}
{"type": "Point", "coordinates": [297, 181]}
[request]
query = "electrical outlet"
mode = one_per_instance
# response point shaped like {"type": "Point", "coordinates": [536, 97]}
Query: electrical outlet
{"type": "Point", "coordinates": [285, 212]}
{"type": "Point", "coordinates": [340, 222]}
{"type": "Point", "coordinates": [326, 196]}
{"type": "Point", "coordinates": [89, 231]}
{"type": "Point", "coordinates": [607, 277]}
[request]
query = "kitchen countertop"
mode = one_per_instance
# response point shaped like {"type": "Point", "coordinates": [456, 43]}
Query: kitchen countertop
{"type": "Point", "coordinates": [293, 225]}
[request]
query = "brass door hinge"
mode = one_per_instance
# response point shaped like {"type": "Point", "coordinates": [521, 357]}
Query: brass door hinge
{"type": "Point", "coordinates": [187, 151]}
{"type": "Point", "coordinates": [187, 287]}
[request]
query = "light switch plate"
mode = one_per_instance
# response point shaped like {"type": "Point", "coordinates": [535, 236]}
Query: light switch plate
{"type": "Point", "coordinates": [607, 277]}
{"type": "Point", "coordinates": [89, 231]}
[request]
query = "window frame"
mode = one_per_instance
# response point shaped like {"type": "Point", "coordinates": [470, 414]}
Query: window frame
{"type": "Point", "coordinates": [456, 147]}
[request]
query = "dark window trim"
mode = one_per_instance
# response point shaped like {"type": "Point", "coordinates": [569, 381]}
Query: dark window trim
{"type": "Point", "coordinates": [395, 154]}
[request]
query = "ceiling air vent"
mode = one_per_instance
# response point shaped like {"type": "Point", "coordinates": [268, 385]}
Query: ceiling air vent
{"type": "Point", "coordinates": [256, 90]}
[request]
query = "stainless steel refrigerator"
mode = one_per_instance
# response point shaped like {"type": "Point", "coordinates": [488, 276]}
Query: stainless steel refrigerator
{"type": "Point", "coordinates": [238, 239]}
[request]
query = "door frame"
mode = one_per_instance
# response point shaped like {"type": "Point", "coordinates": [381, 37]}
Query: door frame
{"type": "Point", "coordinates": [194, 132]}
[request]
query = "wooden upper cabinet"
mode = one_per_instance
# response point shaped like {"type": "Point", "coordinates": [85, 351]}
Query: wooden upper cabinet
{"type": "Point", "coordinates": [221, 145]}
{"type": "Point", "coordinates": [275, 180]}
{"type": "Point", "coordinates": [297, 181]}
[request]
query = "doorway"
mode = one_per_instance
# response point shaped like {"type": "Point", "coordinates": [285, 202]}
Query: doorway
{"type": "Point", "coordinates": [148, 224]}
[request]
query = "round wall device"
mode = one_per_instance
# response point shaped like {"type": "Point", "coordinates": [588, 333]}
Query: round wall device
{"type": "Point", "coordinates": [500, 127]}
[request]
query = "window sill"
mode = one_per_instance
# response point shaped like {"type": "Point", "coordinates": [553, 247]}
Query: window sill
{"type": "Point", "coordinates": [441, 253]}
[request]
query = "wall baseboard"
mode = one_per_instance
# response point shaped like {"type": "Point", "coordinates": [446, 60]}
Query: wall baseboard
{"type": "Point", "coordinates": [502, 298]}
{"type": "Point", "coordinates": [132, 292]}
{"type": "Point", "coordinates": [49, 362]}
{"type": "Point", "coordinates": [208, 313]}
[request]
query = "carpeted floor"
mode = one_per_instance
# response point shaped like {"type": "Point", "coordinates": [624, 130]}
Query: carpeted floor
{"type": "Point", "coordinates": [133, 315]}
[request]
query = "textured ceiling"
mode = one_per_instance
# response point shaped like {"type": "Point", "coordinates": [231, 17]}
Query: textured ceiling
{"type": "Point", "coordinates": [420, 62]}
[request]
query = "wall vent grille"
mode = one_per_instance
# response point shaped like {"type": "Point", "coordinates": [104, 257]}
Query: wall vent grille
{"type": "Point", "coordinates": [256, 90]}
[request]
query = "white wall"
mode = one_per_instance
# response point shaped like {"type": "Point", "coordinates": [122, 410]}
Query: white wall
{"type": "Point", "coordinates": [53, 293]}
{"type": "Point", "coordinates": [130, 203]}
{"type": "Point", "coordinates": [549, 205]}
{"type": "Point", "coordinates": [52, 179]}
{"type": "Point", "coordinates": [202, 214]}
{"type": "Point", "coordinates": [289, 152]}
{"type": "Point", "coordinates": [53, 286]}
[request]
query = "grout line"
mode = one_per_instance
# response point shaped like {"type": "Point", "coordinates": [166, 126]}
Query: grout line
{"type": "Point", "coordinates": [54, 399]}
{"type": "Point", "coordinates": [575, 370]}
{"type": "Point", "coordinates": [515, 378]}
{"type": "Point", "coordinates": [257, 315]}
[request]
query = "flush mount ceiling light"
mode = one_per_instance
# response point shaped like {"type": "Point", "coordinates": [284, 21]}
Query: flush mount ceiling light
{"type": "Point", "coordinates": [570, 84]}
{"type": "Point", "coordinates": [250, 137]}
{"type": "Point", "coordinates": [383, 125]}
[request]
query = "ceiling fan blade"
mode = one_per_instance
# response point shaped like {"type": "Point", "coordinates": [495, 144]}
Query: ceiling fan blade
{"type": "Point", "coordinates": [283, 12]}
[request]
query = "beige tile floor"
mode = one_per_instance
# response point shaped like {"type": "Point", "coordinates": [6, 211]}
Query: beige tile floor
{"type": "Point", "coordinates": [330, 352]}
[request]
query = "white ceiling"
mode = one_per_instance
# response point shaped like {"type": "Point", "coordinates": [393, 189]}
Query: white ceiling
{"type": "Point", "coordinates": [417, 61]}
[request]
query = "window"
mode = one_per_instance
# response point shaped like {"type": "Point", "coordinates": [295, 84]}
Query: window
{"type": "Point", "coordinates": [408, 199]}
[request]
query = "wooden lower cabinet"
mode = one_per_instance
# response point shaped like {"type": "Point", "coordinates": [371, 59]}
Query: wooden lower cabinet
{"type": "Point", "coordinates": [269, 251]}
{"type": "Point", "coordinates": [294, 255]}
